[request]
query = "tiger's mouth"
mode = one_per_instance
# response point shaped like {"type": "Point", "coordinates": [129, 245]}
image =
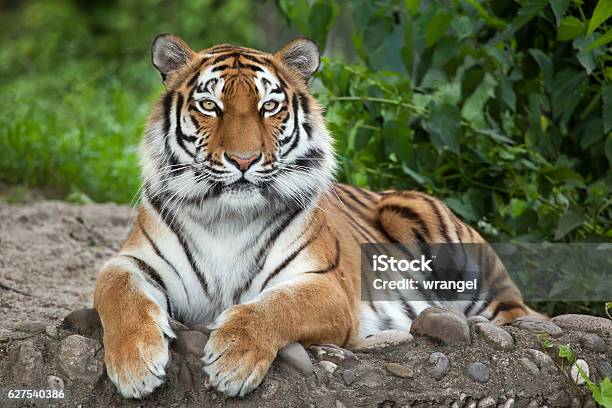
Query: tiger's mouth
{"type": "Point", "coordinates": [241, 185]}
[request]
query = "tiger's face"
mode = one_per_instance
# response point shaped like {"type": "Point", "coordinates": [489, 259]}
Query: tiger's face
{"type": "Point", "coordinates": [237, 127]}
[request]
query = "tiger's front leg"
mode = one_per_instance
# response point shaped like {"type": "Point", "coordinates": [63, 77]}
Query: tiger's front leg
{"type": "Point", "coordinates": [245, 339]}
{"type": "Point", "coordinates": [136, 328]}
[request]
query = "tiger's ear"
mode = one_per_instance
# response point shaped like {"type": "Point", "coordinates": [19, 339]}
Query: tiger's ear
{"type": "Point", "coordinates": [169, 53]}
{"type": "Point", "coordinates": [302, 55]}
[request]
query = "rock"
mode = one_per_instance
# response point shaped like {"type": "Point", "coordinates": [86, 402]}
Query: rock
{"type": "Point", "coordinates": [202, 327]}
{"type": "Point", "coordinates": [529, 366]}
{"type": "Point", "coordinates": [533, 404]}
{"type": "Point", "coordinates": [509, 403]}
{"type": "Point", "coordinates": [537, 325]}
{"type": "Point", "coordinates": [471, 403]}
{"type": "Point", "coordinates": [340, 404]}
{"type": "Point", "coordinates": [348, 376]}
{"type": "Point", "coordinates": [479, 372]}
{"type": "Point", "coordinates": [605, 369]}
{"type": "Point", "coordinates": [76, 358]}
{"type": "Point", "coordinates": [83, 321]}
{"type": "Point", "coordinates": [28, 366]}
{"type": "Point", "coordinates": [31, 328]}
{"type": "Point", "coordinates": [189, 342]}
{"type": "Point", "coordinates": [477, 319]}
{"type": "Point", "coordinates": [399, 370]}
{"type": "Point", "coordinates": [328, 366]}
{"type": "Point", "coordinates": [439, 365]}
{"type": "Point", "coordinates": [52, 332]}
{"type": "Point", "coordinates": [332, 353]}
{"type": "Point", "coordinates": [593, 343]}
{"type": "Point", "coordinates": [584, 323]}
{"type": "Point", "coordinates": [575, 374]}
{"type": "Point", "coordinates": [55, 383]}
{"type": "Point", "coordinates": [184, 376]}
{"type": "Point", "coordinates": [177, 326]}
{"type": "Point", "coordinates": [542, 360]}
{"type": "Point", "coordinates": [295, 356]}
{"type": "Point", "coordinates": [487, 402]}
{"type": "Point", "coordinates": [383, 339]}
{"type": "Point", "coordinates": [495, 336]}
{"type": "Point", "coordinates": [447, 325]}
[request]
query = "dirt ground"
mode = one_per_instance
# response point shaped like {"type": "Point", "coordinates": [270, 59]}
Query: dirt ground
{"type": "Point", "coordinates": [49, 256]}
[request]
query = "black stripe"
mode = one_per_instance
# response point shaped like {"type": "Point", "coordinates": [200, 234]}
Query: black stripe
{"type": "Point", "coordinates": [352, 196]}
{"type": "Point", "coordinates": [177, 231]}
{"type": "Point", "coordinates": [334, 264]}
{"type": "Point", "coordinates": [163, 258]}
{"type": "Point", "coordinates": [167, 106]}
{"type": "Point", "coordinates": [409, 214]}
{"type": "Point", "coordinates": [442, 228]}
{"type": "Point", "coordinates": [296, 126]}
{"type": "Point", "coordinates": [290, 258]}
{"type": "Point", "coordinates": [180, 136]}
{"type": "Point", "coordinates": [304, 103]}
{"type": "Point", "coordinates": [153, 275]}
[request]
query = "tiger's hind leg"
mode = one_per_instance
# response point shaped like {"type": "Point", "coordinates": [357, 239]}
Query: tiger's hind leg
{"type": "Point", "coordinates": [410, 217]}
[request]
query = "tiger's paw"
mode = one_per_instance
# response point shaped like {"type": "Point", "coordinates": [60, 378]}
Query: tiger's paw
{"type": "Point", "coordinates": [236, 356]}
{"type": "Point", "coordinates": [136, 361]}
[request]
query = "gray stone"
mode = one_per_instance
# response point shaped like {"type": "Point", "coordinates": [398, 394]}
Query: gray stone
{"type": "Point", "coordinates": [447, 325]}
{"type": "Point", "coordinates": [55, 383]}
{"type": "Point", "coordinates": [177, 326]}
{"type": "Point", "coordinates": [184, 376]}
{"type": "Point", "coordinates": [339, 404]}
{"type": "Point", "coordinates": [331, 352]}
{"type": "Point", "coordinates": [542, 360]}
{"type": "Point", "coordinates": [189, 342]}
{"type": "Point", "coordinates": [383, 339]}
{"type": "Point", "coordinates": [479, 372]}
{"type": "Point", "coordinates": [495, 336]}
{"type": "Point", "coordinates": [575, 374]}
{"type": "Point", "coordinates": [328, 366]}
{"type": "Point", "coordinates": [477, 319]}
{"type": "Point", "coordinates": [76, 358]}
{"type": "Point", "coordinates": [605, 369]}
{"type": "Point", "coordinates": [399, 370]}
{"type": "Point", "coordinates": [487, 402]}
{"type": "Point", "coordinates": [537, 325]}
{"type": "Point", "coordinates": [593, 343]}
{"type": "Point", "coordinates": [439, 365]}
{"type": "Point", "coordinates": [471, 403]}
{"type": "Point", "coordinates": [584, 323]}
{"type": "Point", "coordinates": [529, 366]}
{"type": "Point", "coordinates": [509, 403]}
{"type": "Point", "coordinates": [31, 328]}
{"type": "Point", "coordinates": [28, 366]}
{"type": "Point", "coordinates": [202, 327]}
{"type": "Point", "coordinates": [295, 356]}
{"type": "Point", "coordinates": [83, 321]}
{"type": "Point", "coordinates": [52, 332]}
{"type": "Point", "coordinates": [348, 376]}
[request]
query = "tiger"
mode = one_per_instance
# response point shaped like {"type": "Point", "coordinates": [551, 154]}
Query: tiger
{"type": "Point", "coordinates": [240, 223]}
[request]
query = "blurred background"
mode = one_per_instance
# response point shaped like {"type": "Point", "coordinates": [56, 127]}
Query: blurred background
{"type": "Point", "coordinates": [501, 108]}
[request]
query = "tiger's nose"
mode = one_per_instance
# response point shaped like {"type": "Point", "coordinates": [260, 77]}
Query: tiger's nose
{"type": "Point", "coordinates": [242, 160]}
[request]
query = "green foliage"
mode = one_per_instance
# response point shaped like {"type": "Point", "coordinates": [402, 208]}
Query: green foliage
{"type": "Point", "coordinates": [77, 83]}
{"type": "Point", "coordinates": [502, 109]}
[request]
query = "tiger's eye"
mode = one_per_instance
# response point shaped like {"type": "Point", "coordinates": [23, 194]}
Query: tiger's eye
{"type": "Point", "coordinates": [270, 105]}
{"type": "Point", "coordinates": [208, 105]}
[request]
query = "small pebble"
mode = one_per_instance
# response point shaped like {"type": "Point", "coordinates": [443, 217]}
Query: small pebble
{"type": "Point", "coordinates": [52, 332]}
{"type": "Point", "coordinates": [399, 370]}
{"type": "Point", "coordinates": [446, 325]}
{"type": "Point", "coordinates": [593, 343]}
{"type": "Point", "coordinates": [189, 342]}
{"type": "Point", "coordinates": [536, 325]}
{"type": "Point", "coordinates": [83, 321]}
{"type": "Point", "coordinates": [486, 402]}
{"type": "Point", "coordinates": [328, 366]}
{"type": "Point", "coordinates": [495, 336]}
{"type": "Point", "coordinates": [575, 374]}
{"type": "Point", "coordinates": [339, 404]}
{"type": "Point", "coordinates": [295, 356]}
{"type": "Point", "coordinates": [202, 327]}
{"type": "Point", "coordinates": [348, 376]}
{"type": "Point", "coordinates": [31, 328]}
{"type": "Point", "coordinates": [605, 369]}
{"type": "Point", "coordinates": [55, 383]}
{"type": "Point", "coordinates": [508, 404]}
{"type": "Point", "coordinates": [440, 364]}
{"type": "Point", "coordinates": [542, 360]}
{"type": "Point", "coordinates": [332, 353]}
{"type": "Point", "coordinates": [471, 403]}
{"type": "Point", "coordinates": [529, 366]}
{"type": "Point", "coordinates": [479, 372]}
{"type": "Point", "coordinates": [383, 339]}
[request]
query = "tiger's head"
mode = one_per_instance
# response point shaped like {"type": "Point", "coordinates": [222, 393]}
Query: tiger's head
{"type": "Point", "coordinates": [236, 127]}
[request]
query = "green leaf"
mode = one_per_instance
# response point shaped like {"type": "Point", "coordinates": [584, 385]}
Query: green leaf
{"type": "Point", "coordinates": [545, 65]}
{"type": "Point", "coordinates": [569, 28]}
{"type": "Point", "coordinates": [473, 109]}
{"type": "Point", "coordinates": [490, 19]}
{"type": "Point", "coordinates": [559, 7]}
{"type": "Point", "coordinates": [603, 39]}
{"type": "Point", "coordinates": [569, 86]}
{"type": "Point", "coordinates": [602, 12]}
{"type": "Point", "coordinates": [320, 21]}
{"type": "Point", "coordinates": [566, 352]}
{"type": "Point", "coordinates": [569, 222]}
{"type": "Point", "coordinates": [412, 5]}
{"type": "Point", "coordinates": [443, 124]}
{"type": "Point", "coordinates": [607, 107]}
{"type": "Point", "coordinates": [529, 10]}
{"type": "Point", "coordinates": [463, 26]}
{"type": "Point", "coordinates": [437, 26]}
